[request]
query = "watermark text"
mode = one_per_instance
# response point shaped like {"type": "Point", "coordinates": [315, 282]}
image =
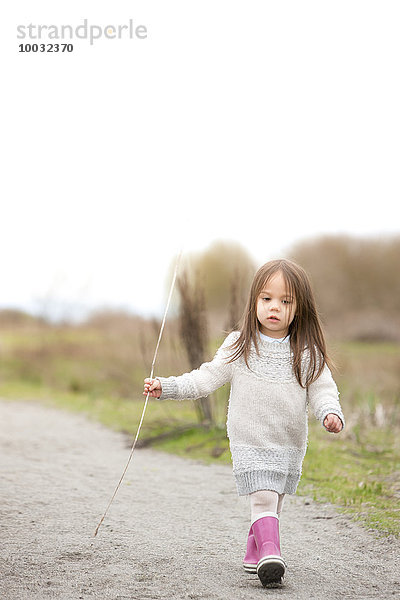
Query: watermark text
{"type": "Point", "coordinates": [84, 31]}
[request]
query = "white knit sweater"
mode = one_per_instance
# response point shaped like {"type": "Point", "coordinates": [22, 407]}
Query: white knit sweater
{"type": "Point", "coordinates": [267, 415]}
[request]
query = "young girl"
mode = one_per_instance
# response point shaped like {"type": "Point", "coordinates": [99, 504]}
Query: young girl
{"type": "Point", "coordinates": [276, 365]}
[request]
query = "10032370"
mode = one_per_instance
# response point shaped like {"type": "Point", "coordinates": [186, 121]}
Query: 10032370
{"type": "Point", "coordinates": [45, 48]}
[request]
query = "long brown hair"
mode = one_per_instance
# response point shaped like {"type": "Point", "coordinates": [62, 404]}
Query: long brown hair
{"type": "Point", "coordinates": [305, 330]}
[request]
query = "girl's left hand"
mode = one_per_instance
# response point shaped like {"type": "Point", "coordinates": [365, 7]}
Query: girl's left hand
{"type": "Point", "coordinates": [332, 423]}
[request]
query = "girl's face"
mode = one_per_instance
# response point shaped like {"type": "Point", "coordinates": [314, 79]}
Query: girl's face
{"type": "Point", "coordinates": [275, 307]}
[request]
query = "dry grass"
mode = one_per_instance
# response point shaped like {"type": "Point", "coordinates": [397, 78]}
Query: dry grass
{"type": "Point", "coordinates": [369, 380]}
{"type": "Point", "coordinates": [110, 354]}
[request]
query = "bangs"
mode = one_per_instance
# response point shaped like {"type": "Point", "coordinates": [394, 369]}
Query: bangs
{"type": "Point", "coordinates": [290, 282]}
{"type": "Point", "coordinates": [288, 278]}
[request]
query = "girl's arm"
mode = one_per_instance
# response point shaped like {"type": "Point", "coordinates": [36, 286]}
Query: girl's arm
{"type": "Point", "coordinates": [323, 397]}
{"type": "Point", "coordinates": [200, 382]}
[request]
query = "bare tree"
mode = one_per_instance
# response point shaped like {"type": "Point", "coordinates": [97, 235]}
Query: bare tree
{"type": "Point", "coordinates": [236, 302]}
{"type": "Point", "coordinates": [193, 333]}
{"type": "Point", "coordinates": [223, 266]}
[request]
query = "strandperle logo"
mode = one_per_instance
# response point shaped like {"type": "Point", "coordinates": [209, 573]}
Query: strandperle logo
{"type": "Point", "coordinates": [84, 31]}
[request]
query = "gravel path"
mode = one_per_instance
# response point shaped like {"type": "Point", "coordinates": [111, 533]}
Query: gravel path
{"type": "Point", "coordinates": [176, 530]}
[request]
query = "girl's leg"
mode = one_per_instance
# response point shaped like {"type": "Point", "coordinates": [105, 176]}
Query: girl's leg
{"type": "Point", "coordinates": [263, 554]}
{"type": "Point", "coordinates": [280, 504]}
{"type": "Point", "coordinates": [264, 501]}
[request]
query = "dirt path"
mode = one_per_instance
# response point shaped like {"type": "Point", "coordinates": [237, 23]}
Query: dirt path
{"type": "Point", "coordinates": [175, 531]}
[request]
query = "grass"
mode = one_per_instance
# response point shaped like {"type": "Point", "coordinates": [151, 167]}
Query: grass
{"type": "Point", "coordinates": [362, 479]}
{"type": "Point", "coordinates": [99, 371]}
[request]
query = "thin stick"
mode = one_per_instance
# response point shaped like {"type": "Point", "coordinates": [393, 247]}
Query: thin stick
{"type": "Point", "coordinates": [147, 397]}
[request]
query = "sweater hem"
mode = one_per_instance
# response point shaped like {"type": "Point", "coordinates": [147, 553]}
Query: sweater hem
{"type": "Point", "coordinates": [254, 481]}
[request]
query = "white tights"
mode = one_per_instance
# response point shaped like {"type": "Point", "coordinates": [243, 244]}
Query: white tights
{"type": "Point", "coordinates": [265, 501]}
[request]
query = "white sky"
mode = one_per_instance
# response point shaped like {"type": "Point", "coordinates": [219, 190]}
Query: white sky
{"type": "Point", "coordinates": [254, 121]}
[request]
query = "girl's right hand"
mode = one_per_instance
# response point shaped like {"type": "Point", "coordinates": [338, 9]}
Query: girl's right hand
{"type": "Point", "coordinates": [152, 387]}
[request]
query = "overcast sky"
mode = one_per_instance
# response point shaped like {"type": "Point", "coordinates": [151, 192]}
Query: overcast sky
{"type": "Point", "coordinates": [254, 121]}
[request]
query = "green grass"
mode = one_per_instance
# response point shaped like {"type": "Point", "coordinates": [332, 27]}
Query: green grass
{"type": "Point", "coordinates": [362, 479]}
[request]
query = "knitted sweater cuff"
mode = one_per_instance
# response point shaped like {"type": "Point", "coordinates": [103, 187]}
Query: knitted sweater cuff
{"type": "Point", "coordinates": [169, 388]}
{"type": "Point", "coordinates": [332, 411]}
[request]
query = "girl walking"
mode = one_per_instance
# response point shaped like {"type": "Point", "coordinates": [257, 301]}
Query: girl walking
{"type": "Point", "coordinates": [277, 366]}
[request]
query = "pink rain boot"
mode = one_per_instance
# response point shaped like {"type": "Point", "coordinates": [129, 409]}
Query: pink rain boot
{"type": "Point", "coordinates": [251, 559]}
{"type": "Point", "coordinates": [270, 567]}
